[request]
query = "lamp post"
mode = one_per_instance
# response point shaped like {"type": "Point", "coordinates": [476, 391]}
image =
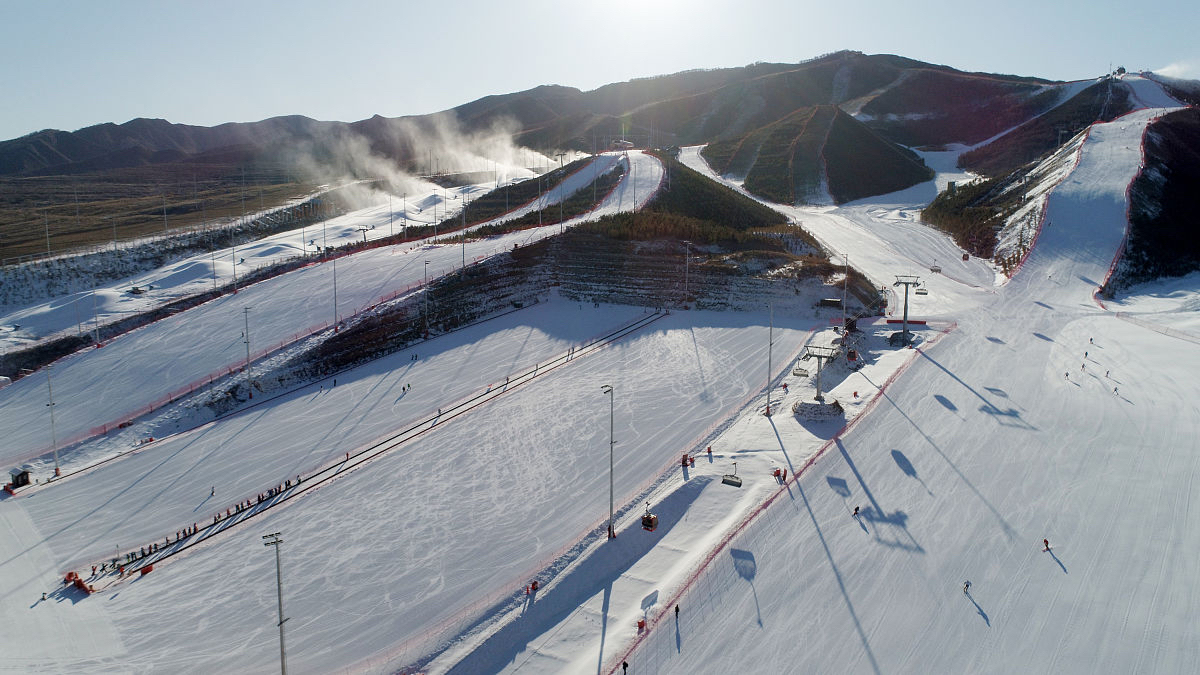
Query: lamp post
{"type": "Point", "coordinates": [274, 540]}
{"type": "Point", "coordinates": [687, 260]}
{"type": "Point", "coordinates": [246, 338]}
{"type": "Point", "coordinates": [426, 294]}
{"type": "Point", "coordinates": [770, 344]}
{"type": "Point", "coordinates": [607, 389]}
{"type": "Point", "coordinates": [50, 404]}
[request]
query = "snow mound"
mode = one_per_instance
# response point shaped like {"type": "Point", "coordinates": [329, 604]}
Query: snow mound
{"type": "Point", "coordinates": [818, 410]}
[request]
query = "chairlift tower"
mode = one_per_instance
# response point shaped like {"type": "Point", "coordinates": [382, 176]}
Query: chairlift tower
{"type": "Point", "coordinates": [906, 280]}
{"type": "Point", "coordinates": [821, 354]}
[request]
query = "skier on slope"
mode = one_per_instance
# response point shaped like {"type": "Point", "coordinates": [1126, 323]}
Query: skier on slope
{"type": "Point", "coordinates": [967, 587]}
{"type": "Point", "coordinates": [1045, 544]}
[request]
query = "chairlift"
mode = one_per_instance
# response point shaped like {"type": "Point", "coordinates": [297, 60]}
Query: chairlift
{"type": "Point", "coordinates": [732, 478]}
{"type": "Point", "coordinates": [921, 290]}
{"type": "Point", "coordinates": [649, 520]}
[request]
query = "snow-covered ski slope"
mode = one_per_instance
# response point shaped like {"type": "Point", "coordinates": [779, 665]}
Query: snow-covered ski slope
{"type": "Point", "coordinates": [103, 386]}
{"type": "Point", "coordinates": [974, 452]}
{"type": "Point", "coordinates": [1002, 435]}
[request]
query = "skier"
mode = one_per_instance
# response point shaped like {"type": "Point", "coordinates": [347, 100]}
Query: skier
{"type": "Point", "coordinates": [1045, 544]}
{"type": "Point", "coordinates": [967, 587]}
{"type": "Point", "coordinates": [676, 612]}
{"type": "Point", "coordinates": [1106, 373]}
{"type": "Point", "coordinates": [1085, 355]}
{"type": "Point", "coordinates": [856, 512]}
{"type": "Point", "coordinates": [1090, 341]}
{"type": "Point", "coordinates": [213, 493]}
{"type": "Point", "coordinates": [1114, 391]}
{"type": "Point", "coordinates": [624, 666]}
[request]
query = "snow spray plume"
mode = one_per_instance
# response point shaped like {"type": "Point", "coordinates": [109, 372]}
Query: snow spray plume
{"type": "Point", "coordinates": [370, 165]}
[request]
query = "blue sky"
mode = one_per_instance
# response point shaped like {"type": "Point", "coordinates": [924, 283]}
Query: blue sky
{"type": "Point", "coordinates": [68, 65]}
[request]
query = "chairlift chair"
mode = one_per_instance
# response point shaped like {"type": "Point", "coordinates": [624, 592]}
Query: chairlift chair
{"type": "Point", "coordinates": [732, 478]}
{"type": "Point", "coordinates": [649, 520]}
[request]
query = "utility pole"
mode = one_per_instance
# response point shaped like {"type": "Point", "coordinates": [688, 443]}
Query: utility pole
{"type": "Point", "coordinates": [607, 389]}
{"type": "Point", "coordinates": [274, 540]}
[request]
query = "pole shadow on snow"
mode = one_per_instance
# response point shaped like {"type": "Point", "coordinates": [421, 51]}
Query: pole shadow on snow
{"type": "Point", "coordinates": [1043, 337]}
{"type": "Point", "coordinates": [908, 469]}
{"type": "Point", "coordinates": [1042, 304]}
{"type": "Point", "coordinates": [875, 513]}
{"type": "Point", "coordinates": [747, 568]}
{"type": "Point", "coordinates": [1010, 417]}
{"type": "Point", "coordinates": [594, 574]}
{"type": "Point", "coordinates": [1008, 529]}
{"type": "Point", "coordinates": [837, 575]}
{"type": "Point", "coordinates": [114, 522]}
{"type": "Point", "coordinates": [946, 402]}
{"type": "Point", "coordinates": [979, 609]}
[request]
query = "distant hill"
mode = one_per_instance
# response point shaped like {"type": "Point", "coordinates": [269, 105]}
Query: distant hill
{"type": "Point", "coordinates": [833, 129]}
{"type": "Point", "coordinates": [817, 154]}
{"type": "Point", "coordinates": [903, 100]}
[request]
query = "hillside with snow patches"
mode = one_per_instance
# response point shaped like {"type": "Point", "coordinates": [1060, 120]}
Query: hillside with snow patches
{"type": "Point", "coordinates": [418, 495]}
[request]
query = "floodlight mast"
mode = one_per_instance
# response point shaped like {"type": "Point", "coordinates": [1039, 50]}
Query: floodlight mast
{"type": "Point", "coordinates": [608, 389]}
{"type": "Point", "coordinates": [274, 540]}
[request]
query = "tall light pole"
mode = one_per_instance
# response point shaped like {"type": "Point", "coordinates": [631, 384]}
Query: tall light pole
{"type": "Point", "coordinates": [426, 294]}
{"type": "Point", "coordinates": [274, 540]}
{"type": "Point", "coordinates": [770, 343]}
{"type": "Point", "coordinates": [845, 280]}
{"type": "Point", "coordinates": [687, 260]}
{"type": "Point", "coordinates": [50, 404]}
{"type": "Point", "coordinates": [53, 436]}
{"type": "Point", "coordinates": [246, 338]}
{"type": "Point", "coordinates": [607, 389]}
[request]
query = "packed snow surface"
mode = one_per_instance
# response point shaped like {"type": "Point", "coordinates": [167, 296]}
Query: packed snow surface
{"type": "Point", "coordinates": [1026, 411]}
